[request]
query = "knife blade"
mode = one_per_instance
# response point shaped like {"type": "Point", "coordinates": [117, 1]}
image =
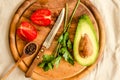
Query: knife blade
{"type": "Point", "coordinates": [46, 44]}
{"type": "Point", "coordinates": [54, 30]}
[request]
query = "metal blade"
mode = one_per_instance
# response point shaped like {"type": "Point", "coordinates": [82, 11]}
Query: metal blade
{"type": "Point", "coordinates": [54, 30]}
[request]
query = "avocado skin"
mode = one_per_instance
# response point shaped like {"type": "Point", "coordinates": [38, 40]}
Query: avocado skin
{"type": "Point", "coordinates": [85, 26]}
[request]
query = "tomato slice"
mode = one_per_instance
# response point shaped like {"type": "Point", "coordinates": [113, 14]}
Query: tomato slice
{"type": "Point", "coordinates": [27, 31]}
{"type": "Point", "coordinates": [41, 17]}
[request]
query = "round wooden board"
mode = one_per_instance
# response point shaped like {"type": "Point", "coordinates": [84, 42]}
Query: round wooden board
{"type": "Point", "coordinates": [65, 71]}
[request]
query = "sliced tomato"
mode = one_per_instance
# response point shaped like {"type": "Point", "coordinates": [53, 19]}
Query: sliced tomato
{"type": "Point", "coordinates": [41, 17]}
{"type": "Point", "coordinates": [27, 31]}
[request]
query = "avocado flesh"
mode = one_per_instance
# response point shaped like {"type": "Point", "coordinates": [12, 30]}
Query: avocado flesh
{"type": "Point", "coordinates": [85, 26]}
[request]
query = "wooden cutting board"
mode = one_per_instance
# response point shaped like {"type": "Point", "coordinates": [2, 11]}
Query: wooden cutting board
{"type": "Point", "coordinates": [65, 71]}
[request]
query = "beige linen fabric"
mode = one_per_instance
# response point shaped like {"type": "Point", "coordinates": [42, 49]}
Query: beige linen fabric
{"type": "Point", "coordinates": [7, 10]}
{"type": "Point", "coordinates": [109, 66]}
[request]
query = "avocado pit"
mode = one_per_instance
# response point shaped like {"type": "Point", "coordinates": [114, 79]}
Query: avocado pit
{"type": "Point", "coordinates": [85, 46]}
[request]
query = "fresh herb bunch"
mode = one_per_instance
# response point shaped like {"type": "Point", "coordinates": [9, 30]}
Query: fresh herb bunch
{"type": "Point", "coordinates": [63, 46]}
{"type": "Point", "coordinates": [49, 61]}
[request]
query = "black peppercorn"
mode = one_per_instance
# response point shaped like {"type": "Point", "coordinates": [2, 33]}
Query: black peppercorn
{"type": "Point", "coordinates": [30, 49]}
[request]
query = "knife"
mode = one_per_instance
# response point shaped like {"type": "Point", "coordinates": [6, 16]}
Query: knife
{"type": "Point", "coordinates": [46, 44]}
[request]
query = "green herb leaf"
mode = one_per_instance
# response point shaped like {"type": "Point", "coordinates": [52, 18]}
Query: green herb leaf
{"type": "Point", "coordinates": [50, 65]}
{"type": "Point", "coordinates": [48, 58]}
{"type": "Point", "coordinates": [67, 56]}
{"type": "Point", "coordinates": [69, 44]}
{"type": "Point", "coordinates": [70, 60]}
{"type": "Point", "coordinates": [41, 64]}
{"type": "Point", "coordinates": [46, 67]}
{"type": "Point", "coordinates": [65, 38]}
{"type": "Point", "coordinates": [60, 39]}
{"type": "Point", "coordinates": [47, 62]}
{"type": "Point", "coordinates": [57, 61]}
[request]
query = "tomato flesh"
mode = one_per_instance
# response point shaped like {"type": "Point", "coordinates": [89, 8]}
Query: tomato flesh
{"type": "Point", "coordinates": [27, 31]}
{"type": "Point", "coordinates": [41, 17]}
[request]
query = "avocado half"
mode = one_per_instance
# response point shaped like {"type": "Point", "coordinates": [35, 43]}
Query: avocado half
{"type": "Point", "coordinates": [85, 26]}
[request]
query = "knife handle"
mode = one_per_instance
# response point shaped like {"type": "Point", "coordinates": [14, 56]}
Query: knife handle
{"type": "Point", "coordinates": [36, 61]}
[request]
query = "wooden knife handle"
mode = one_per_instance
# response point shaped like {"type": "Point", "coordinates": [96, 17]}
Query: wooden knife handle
{"type": "Point", "coordinates": [36, 61]}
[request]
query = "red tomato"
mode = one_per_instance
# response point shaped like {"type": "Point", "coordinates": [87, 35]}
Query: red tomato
{"type": "Point", "coordinates": [27, 31]}
{"type": "Point", "coordinates": [41, 17]}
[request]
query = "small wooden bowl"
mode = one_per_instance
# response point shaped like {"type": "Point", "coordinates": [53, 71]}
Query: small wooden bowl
{"type": "Point", "coordinates": [65, 71]}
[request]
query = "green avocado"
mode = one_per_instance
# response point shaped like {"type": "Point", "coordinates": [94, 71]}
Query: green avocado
{"type": "Point", "coordinates": [85, 26]}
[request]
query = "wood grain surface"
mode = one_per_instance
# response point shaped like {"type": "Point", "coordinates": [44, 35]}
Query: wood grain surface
{"type": "Point", "coordinates": [65, 71]}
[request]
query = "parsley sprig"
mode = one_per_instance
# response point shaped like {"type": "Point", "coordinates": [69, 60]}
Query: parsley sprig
{"type": "Point", "coordinates": [63, 47]}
